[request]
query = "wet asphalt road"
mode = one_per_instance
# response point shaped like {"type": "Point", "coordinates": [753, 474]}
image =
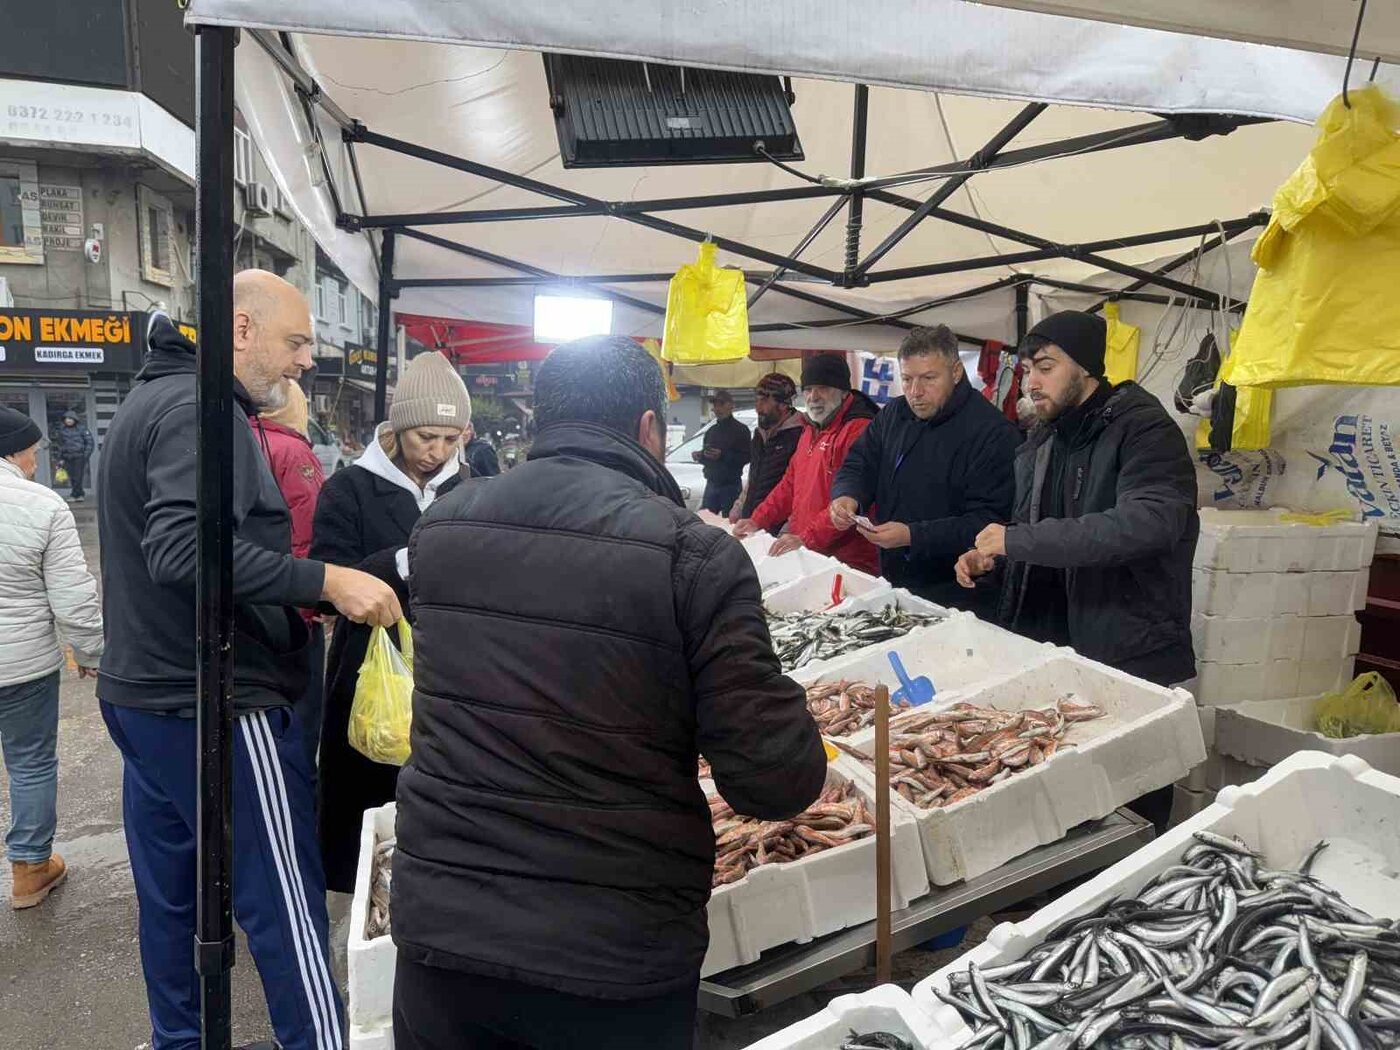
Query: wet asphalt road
{"type": "Point", "coordinates": [70, 969]}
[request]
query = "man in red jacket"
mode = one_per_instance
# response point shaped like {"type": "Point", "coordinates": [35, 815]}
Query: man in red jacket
{"type": "Point", "coordinates": [839, 415]}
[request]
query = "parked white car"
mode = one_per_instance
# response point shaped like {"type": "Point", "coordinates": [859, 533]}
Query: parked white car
{"type": "Point", "coordinates": [689, 475]}
{"type": "Point", "coordinates": [326, 446]}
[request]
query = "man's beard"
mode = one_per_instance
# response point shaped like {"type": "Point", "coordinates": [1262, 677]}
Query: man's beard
{"type": "Point", "coordinates": [1049, 410]}
{"type": "Point", "coordinates": [767, 419]}
{"type": "Point", "coordinates": [274, 398]}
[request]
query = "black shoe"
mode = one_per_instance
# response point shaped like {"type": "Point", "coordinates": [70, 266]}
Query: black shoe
{"type": "Point", "coordinates": [265, 1044]}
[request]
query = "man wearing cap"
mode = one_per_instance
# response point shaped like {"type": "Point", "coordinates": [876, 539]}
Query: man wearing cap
{"type": "Point", "coordinates": [937, 462]}
{"type": "Point", "coordinates": [74, 444]}
{"type": "Point", "coordinates": [775, 439]}
{"type": "Point", "coordinates": [725, 453]}
{"type": "Point", "coordinates": [1105, 523]}
{"type": "Point", "coordinates": [839, 415]}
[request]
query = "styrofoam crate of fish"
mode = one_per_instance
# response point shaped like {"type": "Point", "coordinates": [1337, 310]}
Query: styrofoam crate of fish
{"type": "Point", "coordinates": [779, 903]}
{"type": "Point", "coordinates": [1265, 732]}
{"type": "Point", "coordinates": [1258, 594]}
{"type": "Point", "coordinates": [372, 1037]}
{"type": "Point", "coordinates": [370, 962]}
{"type": "Point", "coordinates": [1250, 641]}
{"type": "Point", "coordinates": [955, 654]}
{"type": "Point", "coordinates": [792, 566]}
{"type": "Point", "coordinates": [1261, 541]}
{"type": "Point", "coordinates": [1148, 737]}
{"type": "Point", "coordinates": [1307, 798]}
{"type": "Point", "coordinates": [901, 600]}
{"type": "Point", "coordinates": [1230, 683]}
{"type": "Point", "coordinates": [814, 593]}
{"type": "Point", "coordinates": [757, 545]}
{"type": "Point", "coordinates": [886, 1008]}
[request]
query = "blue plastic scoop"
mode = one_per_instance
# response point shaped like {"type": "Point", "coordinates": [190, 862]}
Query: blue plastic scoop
{"type": "Point", "coordinates": [915, 690]}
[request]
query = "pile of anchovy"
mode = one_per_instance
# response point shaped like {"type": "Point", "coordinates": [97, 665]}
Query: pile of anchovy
{"type": "Point", "coordinates": [1216, 951]}
{"type": "Point", "coordinates": [381, 875]}
{"type": "Point", "coordinates": [800, 638]}
{"type": "Point", "coordinates": [875, 1041]}
{"type": "Point", "coordinates": [837, 817]}
{"type": "Point", "coordinates": [938, 758]}
{"type": "Point", "coordinates": [841, 708]}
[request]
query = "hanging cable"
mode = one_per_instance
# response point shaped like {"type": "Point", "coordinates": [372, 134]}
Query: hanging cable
{"type": "Point", "coordinates": [1351, 55]}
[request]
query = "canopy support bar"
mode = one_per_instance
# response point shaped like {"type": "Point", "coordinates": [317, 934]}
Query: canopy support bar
{"type": "Point", "coordinates": [979, 161]}
{"type": "Point", "coordinates": [860, 125]}
{"type": "Point", "coordinates": [385, 332]}
{"type": "Point", "coordinates": [214, 945]}
{"type": "Point", "coordinates": [802, 246]}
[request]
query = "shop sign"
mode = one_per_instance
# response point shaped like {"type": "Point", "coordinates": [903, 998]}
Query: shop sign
{"type": "Point", "coordinates": [61, 212]}
{"type": "Point", "coordinates": [361, 363]}
{"type": "Point", "coordinates": [67, 341]}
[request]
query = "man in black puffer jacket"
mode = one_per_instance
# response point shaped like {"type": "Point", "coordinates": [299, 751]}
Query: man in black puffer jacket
{"type": "Point", "coordinates": [555, 851]}
{"type": "Point", "coordinates": [775, 439]}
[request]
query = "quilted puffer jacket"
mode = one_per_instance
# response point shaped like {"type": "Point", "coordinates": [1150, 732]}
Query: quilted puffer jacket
{"type": "Point", "coordinates": [46, 591]}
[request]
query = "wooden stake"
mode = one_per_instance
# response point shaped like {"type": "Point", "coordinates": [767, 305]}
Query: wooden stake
{"type": "Point", "coordinates": [882, 835]}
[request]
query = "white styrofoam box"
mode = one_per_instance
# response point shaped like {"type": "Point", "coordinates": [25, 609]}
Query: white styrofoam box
{"type": "Point", "coordinates": [1308, 797]}
{"type": "Point", "coordinates": [1259, 594]}
{"type": "Point", "coordinates": [1208, 722]}
{"type": "Point", "coordinates": [1148, 738]}
{"type": "Point", "coordinates": [1251, 641]}
{"type": "Point", "coordinates": [757, 545]}
{"type": "Point", "coordinates": [900, 599]}
{"type": "Point", "coordinates": [886, 1008]}
{"type": "Point", "coordinates": [370, 962]}
{"type": "Point", "coordinates": [1263, 732]}
{"type": "Point", "coordinates": [813, 593]}
{"type": "Point", "coordinates": [774, 572]}
{"type": "Point", "coordinates": [372, 1037]}
{"type": "Point", "coordinates": [1219, 771]}
{"type": "Point", "coordinates": [1259, 541]}
{"type": "Point", "coordinates": [814, 895]}
{"type": "Point", "coordinates": [1222, 683]}
{"type": "Point", "coordinates": [955, 654]}
{"type": "Point", "coordinates": [1186, 803]}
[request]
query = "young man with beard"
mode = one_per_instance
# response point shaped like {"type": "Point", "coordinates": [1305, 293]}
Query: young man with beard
{"type": "Point", "coordinates": [1098, 555]}
{"type": "Point", "coordinates": [774, 441]}
{"type": "Point", "coordinates": [839, 415]}
{"type": "Point", "coordinates": [933, 470]}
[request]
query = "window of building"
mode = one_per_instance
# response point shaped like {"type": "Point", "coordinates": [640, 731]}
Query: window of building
{"type": "Point", "coordinates": [342, 302]}
{"type": "Point", "coordinates": [369, 318]}
{"type": "Point", "coordinates": [283, 205]}
{"type": "Point", "coordinates": [156, 225]}
{"type": "Point", "coordinates": [242, 157]}
{"type": "Point", "coordinates": [21, 229]}
{"type": "Point", "coordinates": [319, 290]}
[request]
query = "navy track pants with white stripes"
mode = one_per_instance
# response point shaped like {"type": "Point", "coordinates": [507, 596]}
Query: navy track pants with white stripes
{"type": "Point", "coordinates": [279, 890]}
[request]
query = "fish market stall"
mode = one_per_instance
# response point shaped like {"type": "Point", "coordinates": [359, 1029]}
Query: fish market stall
{"type": "Point", "coordinates": [1266, 920]}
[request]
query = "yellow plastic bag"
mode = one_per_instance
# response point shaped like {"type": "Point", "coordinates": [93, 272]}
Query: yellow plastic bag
{"type": "Point", "coordinates": [1366, 706]}
{"type": "Point", "coordinates": [1121, 354]}
{"type": "Point", "coordinates": [382, 711]}
{"type": "Point", "coordinates": [707, 313]}
{"type": "Point", "coordinates": [1322, 307]}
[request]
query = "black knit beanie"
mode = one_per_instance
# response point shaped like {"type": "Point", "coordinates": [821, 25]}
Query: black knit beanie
{"type": "Point", "coordinates": [1083, 336]}
{"type": "Point", "coordinates": [826, 370]}
{"type": "Point", "coordinates": [17, 432]}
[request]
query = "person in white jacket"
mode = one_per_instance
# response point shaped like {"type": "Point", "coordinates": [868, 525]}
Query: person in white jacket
{"type": "Point", "coordinates": [46, 592]}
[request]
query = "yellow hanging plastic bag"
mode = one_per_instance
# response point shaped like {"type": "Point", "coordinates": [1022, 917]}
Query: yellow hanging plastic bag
{"type": "Point", "coordinates": [707, 313]}
{"type": "Point", "coordinates": [382, 711]}
{"type": "Point", "coordinates": [1322, 307]}
{"type": "Point", "coordinates": [1121, 354]}
{"type": "Point", "coordinates": [1365, 707]}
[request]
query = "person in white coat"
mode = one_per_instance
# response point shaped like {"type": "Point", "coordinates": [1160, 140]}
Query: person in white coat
{"type": "Point", "coordinates": [46, 593]}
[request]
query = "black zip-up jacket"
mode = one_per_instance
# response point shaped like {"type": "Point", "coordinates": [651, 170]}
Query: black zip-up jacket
{"type": "Point", "coordinates": [768, 461]}
{"type": "Point", "coordinates": [1124, 542]}
{"type": "Point", "coordinates": [947, 478]}
{"type": "Point", "coordinates": [579, 638]}
{"type": "Point", "coordinates": [146, 526]}
{"type": "Point", "coordinates": [732, 439]}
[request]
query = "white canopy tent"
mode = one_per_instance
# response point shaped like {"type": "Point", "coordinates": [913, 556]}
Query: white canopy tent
{"type": "Point", "coordinates": [390, 67]}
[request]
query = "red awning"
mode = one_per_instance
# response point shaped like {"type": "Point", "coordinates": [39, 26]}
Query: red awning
{"type": "Point", "coordinates": [484, 343]}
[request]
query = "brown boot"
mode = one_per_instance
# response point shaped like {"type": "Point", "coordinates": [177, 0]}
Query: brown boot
{"type": "Point", "coordinates": [34, 882]}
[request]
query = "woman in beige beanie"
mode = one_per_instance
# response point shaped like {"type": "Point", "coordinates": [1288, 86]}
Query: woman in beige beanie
{"type": "Point", "coordinates": [363, 520]}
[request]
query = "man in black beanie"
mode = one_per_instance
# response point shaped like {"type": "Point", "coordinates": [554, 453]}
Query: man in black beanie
{"type": "Point", "coordinates": [1105, 523]}
{"type": "Point", "coordinates": [1104, 527]}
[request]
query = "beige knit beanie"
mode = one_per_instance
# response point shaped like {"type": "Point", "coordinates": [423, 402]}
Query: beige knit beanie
{"type": "Point", "coordinates": [430, 393]}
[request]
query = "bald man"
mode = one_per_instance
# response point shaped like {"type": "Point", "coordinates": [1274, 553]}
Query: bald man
{"type": "Point", "coordinates": [146, 522]}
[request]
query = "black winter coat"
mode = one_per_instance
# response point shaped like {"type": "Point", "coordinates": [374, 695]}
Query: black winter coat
{"type": "Point", "coordinates": [1125, 541]}
{"type": "Point", "coordinates": [74, 443]}
{"type": "Point", "coordinates": [732, 439]}
{"type": "Point", "coordinates": [362, 521]}
{"type": "Point", "coordinates": [580, 638]}
{"type": "Point", "coordinates": [481, 457]}
{"type": "Point", "coordinates": [768, 461]}
{"type": "Point", "coordinates": [947, 478]}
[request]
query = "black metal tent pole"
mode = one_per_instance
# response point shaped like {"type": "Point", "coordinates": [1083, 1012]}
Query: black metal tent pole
{"type": "Point", "coordinates": [1023, 311]}
{"type": "Point", "coordinates": [213, 947]}
{"type": "Point", "coordinates": [860, 126]}
{"type": "Point", "coordinates": [1223, 237]}
{"type": "Point", "coordinates": [802, 245]}
{"type": "Point", "coordinates": [386, 316]}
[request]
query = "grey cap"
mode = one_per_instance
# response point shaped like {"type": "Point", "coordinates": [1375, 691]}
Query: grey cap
{"type": "Point", "coordinates": [430, 393]}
